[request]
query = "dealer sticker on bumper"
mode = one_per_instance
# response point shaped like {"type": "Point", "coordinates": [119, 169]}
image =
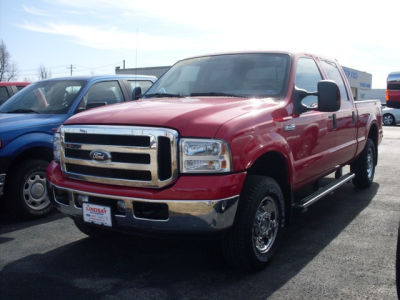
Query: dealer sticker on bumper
{"type": "Point", "coordinates": [96, 214]}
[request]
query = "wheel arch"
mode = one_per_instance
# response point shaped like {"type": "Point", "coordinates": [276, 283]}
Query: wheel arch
{"type": "Point", "coordinates": [273, 164]}
{"type": "Point", "coordinates": [39, 152]}
{"type": "Point", "coordinates": [373, 134]}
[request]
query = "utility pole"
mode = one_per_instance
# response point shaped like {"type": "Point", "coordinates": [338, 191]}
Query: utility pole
{"type": "Point", "coordinates": [71, 67]}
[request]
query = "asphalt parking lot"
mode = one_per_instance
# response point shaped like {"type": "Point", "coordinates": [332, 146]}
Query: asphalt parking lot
{"type": "Point", "coordinates": [342, 247]}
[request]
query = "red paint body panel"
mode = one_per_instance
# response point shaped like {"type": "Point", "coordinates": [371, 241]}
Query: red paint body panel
{"type": "Point", "coordinates": [253, 127]}
{"type": "Point", "coordinates": [14, 83]}
{"type": "Point", "coordinates": [185, 188]}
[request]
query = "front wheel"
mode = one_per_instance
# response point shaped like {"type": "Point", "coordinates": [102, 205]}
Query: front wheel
{"type": "Point", "coordinates": [255, 234]}
{"type": "Point", "coordinates": [364, 166]}
{"type": "Point", "coordinates": [388, 120]}
{"type": "Point", "coordinates": [26, 189]}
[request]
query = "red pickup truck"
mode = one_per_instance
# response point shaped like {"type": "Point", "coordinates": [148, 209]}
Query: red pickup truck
{"type": "Point", "coordinates": [221, 143]}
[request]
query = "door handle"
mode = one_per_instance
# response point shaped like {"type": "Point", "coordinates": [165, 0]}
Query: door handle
{"type": "Point", "coordinates": [334, 122]}
{"type": "Point", "coordinates": [353, 116]}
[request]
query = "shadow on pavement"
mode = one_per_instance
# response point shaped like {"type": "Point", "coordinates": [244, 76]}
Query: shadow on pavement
{"type": "Point", "coordinates": [9, 222]}
{"type": "Point", "coordinates": [165, 269]}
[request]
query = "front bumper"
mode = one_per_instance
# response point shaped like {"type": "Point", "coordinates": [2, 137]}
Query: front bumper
{"type": "Point", "coordinates": [182, 216]}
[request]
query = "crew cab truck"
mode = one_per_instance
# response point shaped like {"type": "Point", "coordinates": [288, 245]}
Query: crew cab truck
{"type": "Point", "coordinates": [219, 144]}
{"type": "Point", "coordinates": [27, 124]}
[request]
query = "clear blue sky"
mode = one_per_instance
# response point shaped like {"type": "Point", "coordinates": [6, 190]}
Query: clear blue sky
{"type": "Point", "coordinates": [97, 35]}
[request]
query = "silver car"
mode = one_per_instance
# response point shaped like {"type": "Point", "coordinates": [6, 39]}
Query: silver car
{"type": "Point", "coordinates": [391, 116]}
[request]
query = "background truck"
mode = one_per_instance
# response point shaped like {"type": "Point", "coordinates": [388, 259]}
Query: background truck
{"type": "Point", "coordinates": [8, 89]}
{"type": "Point", "coordinates": [28, 121]}
{"type": "Point", "coordinates": [393, 90]}
{"type": "Point", "coordinates": [219, 144]}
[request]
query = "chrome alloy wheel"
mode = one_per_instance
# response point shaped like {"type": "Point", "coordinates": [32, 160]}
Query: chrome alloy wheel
{"type": "Point", "coordinates": [265, 226]}
{"type": "Point", "coordinates": [34, 191]}
{"type": "Point", "coordinates": [388, 119]}
{"type": "Point", "coordinates": [370, 163]}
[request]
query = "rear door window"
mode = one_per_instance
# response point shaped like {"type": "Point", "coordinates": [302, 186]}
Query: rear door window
{"type": "Point", "coordinates": [332, 73]}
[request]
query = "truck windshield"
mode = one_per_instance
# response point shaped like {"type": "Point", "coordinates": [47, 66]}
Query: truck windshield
{"type": "Point", "coordinates": [234, 75]}
{"type": "Point", "coordinates": [44, 97]}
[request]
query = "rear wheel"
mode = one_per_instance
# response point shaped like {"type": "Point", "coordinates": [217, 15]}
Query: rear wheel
{"type": "Point", "coordinates": [364, 166]}
{"type": "Point", "coordinates": [255, 234]}
{"type": "Point", "coordinates": [388, 120]}
{"type": "Point", "coordinates": [26, 189]}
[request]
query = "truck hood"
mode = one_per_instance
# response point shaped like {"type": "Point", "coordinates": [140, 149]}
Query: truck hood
{"type": "Point", "coordinates": [200, 116]}
{"type": "Point", "coordinates": [28, 122]}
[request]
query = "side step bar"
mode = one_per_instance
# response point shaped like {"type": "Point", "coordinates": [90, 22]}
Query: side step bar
{"type": "Point", "coordinates": [322, 192]}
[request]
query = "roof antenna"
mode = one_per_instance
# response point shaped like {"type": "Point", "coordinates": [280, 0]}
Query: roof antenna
{"type": "Point", "coordinates": [136, 52]}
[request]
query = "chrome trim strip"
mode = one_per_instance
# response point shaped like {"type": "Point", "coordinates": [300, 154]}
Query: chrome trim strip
{"type": "Point", "coordinates": [109, 148]}
{"type": "Point", "coordinates": [208, 202]}
{"type": "Point", "coordinates": [116, 181]}
{"type": "Point", "coordinates": [107, 164]}
{"type": "Point", "coordinates": [152, 151]}
{"type": "Point", "coordinates": [184, 215]}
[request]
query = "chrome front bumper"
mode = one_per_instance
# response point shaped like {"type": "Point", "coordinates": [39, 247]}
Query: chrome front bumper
{"type": "Point", "coordinates": [183, 215]}
{"type": "Point", "coordinates": [2, 182]}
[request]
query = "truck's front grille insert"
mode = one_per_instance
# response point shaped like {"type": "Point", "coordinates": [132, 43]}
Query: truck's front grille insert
{"type": "Point", "coordinates": [133, 158]}
{"type": "Point", "coordinates": [120, 155]}
{"type": "Point", "coordinates": [164, 158]}
{"type": "Point", "coordinates": [107, 139]}
{"type": "Point", "coordinates": [110, 173]}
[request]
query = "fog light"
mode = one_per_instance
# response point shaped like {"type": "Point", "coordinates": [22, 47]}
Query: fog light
{"type": "Point", "coordinates": [121, 207]}
{"type": "Point", "coordinates": [80, 199]}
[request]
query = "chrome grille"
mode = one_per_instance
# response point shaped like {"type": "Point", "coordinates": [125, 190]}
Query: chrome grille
{"type": "Point", "coordinates": [120, 155]}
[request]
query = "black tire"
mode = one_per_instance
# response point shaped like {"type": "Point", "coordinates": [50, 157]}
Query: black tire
{"type": "Point", "coordinates": [91, 230]}
{"type": "Point", "coordinates": [364, 166]}
{"type": "Point", "coordinates": [388, 119]}
{"type": "Point", "coordinates": [26, 190]}
{"type": "Point", "coordinates": [241, 247]}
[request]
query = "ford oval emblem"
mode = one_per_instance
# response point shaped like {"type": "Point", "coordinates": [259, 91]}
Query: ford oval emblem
{"type": "Point", "coordinates": [100, 155]}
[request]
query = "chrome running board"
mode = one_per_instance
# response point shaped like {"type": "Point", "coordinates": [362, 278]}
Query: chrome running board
{"type": "Point", "coordinates": [322, 192]}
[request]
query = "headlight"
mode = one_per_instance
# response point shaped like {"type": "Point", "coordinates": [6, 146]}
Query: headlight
{"type": "Point", "coordinates": [57, 145]}
{"type": "Point", "coordinates": [204, 156]}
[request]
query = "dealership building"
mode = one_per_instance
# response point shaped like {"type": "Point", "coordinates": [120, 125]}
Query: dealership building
{"type": "Point", "coordinates": [360, 82]}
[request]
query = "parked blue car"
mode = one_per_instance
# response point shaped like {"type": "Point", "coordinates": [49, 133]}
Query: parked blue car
{"type": "Point", "coordinates": [28, 121]}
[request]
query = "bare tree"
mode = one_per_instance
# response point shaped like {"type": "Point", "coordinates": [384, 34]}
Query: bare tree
{"type": "Point", "coordinates": [8, 70]}
{"type": "Point", "coordinates": [43, 72]}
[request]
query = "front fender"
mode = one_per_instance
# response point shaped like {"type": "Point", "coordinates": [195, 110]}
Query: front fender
{"type": "Point", "coordinates": [248, 148]}
{"type": "Point", "coordinates": [26, 142]}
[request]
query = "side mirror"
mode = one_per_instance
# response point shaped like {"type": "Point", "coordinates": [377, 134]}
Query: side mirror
{"type": "Point", "coordinates": [137, 93]}
{"type": "Point", "coordinates": [328, 96]}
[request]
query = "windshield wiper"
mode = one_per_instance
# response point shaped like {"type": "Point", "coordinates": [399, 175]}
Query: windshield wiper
{"type": "Point", "coordinates": [21, 111]}
{"type": "Point", "coordinates": [215, 94]}
{"type": "Point", "coordinates": [162, 95]}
